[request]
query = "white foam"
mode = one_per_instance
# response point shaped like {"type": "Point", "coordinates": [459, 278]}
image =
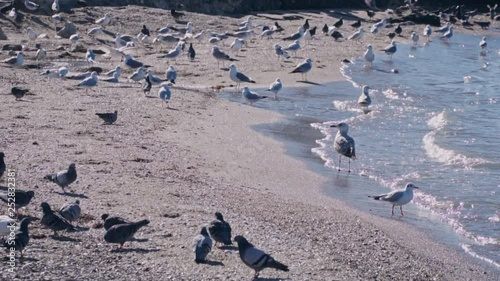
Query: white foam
{"type": "Point", "coordinates": [468, 250]}
{"type": "Point", "coordinates": [438, 122]}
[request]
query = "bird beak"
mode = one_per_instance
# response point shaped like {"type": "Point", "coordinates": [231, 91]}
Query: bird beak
{"type": "Point", "coordinates": [415, 187]}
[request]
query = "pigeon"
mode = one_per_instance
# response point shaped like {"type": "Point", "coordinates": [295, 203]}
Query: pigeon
{"type": "Point", "coordinates": [164, 93]}
{"type": "Point", "coordinates": [339, 23]}
{"type": "Point", "coordinates": [277, 27]}
{"type": "Point", "coordinates": [53, 220]}
{"type": "Point", "coordinates": [191, 52]}
{"type": "Point", "coordinates": [247, 22]}
{"type": "Point", "coordinates": [255, 258]}
{"type": "Point", "coordinates": [64, 177]}
{"type": "Point", "coordinates": [6, 225]}
{"type": "Point", "coordinates": [71, 211]}
{"type": "Point", "coordinates": [280, 52]}
{"type": "Point", "coordinates": [391, 49]}
{"type": "Point", "coordinates": [21, 198]}
{"type": "Point", "coordinates": [303, 68]}
{"type": "Point", "coordinates": [251, 96]}
{"type": "Point", "coordinates": [312, 31]}
{"type": "Point", "coordinates": [483, 43]}
{"type": "Point", "coordinates": [325, 29]}
{"type": "Point", "coordinates": [176, 15]}
{"type": "Point", "coordinates": [145, 30]}
{"type": "Point", "coordinates": [397, 197]}
{"type": "Point", "coordinates": [108, 118]}
{"type": "Point", "coordinates": [275, 87]}
{"type": "Point", "coordinates": [3, 167]}
{"type": "Point", "coordinates": [364, 99]}
{"type": "Point", "coordinates": [344, 144]}
{"type": "Point", "coordinates": [17, 60]}
{"type": "Point", "coordinates": [170, 74]}
{"type": "Point", "coordinates": [370, 14]}
{"type": "Point", "coordinates": [109, 221]}
{"type": "Point", "coordinates": [238, 77]}
{"type": "Point", "coordinates": [104, 20]}
{"type": "Point", "coordinates": [391, 35]}
{"type": "Point", "coordinates": [21, 237]}
{"type": "Point", "coordinates": [146, 88]}
{"type": "Point", "coordinates": [356, 24]}
{"type": "Point", "coordinates": [122, 233]}
{"type": "Point", "coordinates": [220, 56]}
{"type": "Point", "coordinates": [294, 47]}
{"type": "Point", "coordinates": [18, 92]}
{"type": "Point", "coordinates": [398, 30]}
{"type": "Point", "coordinates": [202, 246]}
{"type": "Point", "coordinates": [220, 230]}
{"type": "Point", "coordinates": [305, 26]}
{"type": "Point", "coordinates": [336, 34]}
{"type": "Point", "coordinates": [483, 24]}
{"type": "Point", "coordinates": [369, 55]}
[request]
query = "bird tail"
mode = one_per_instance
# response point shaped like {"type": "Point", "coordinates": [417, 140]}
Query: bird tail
{"type": "Point", "coordinates": [231, 59]}
{"type": "Point", "coordinates": [50, 177]}
{"type": "Point", "coordinates": [251, 81]}
{"type": "Point", "coordinates": [377, 197]}
{"type": "Point", "coordinates": [277, 265]}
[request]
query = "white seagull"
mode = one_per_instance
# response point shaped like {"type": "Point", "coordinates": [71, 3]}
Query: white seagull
{"type": "Point", "coordinates": [397, 197]}
{"type": "Point", "coordinates": [344, 144]}
{"type": "Point", "coordinates": [369, 55]}
{"type": "Point", "coordinates": [275, 87]}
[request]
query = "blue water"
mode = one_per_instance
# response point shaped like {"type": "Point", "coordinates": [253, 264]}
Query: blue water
{"type": "Point", "coordinates": [435, 123]}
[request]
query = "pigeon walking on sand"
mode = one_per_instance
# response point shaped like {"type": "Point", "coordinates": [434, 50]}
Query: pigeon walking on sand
{"type": "Point", "coordinates": [3, 167]}
{"type": "Point", "coordinates": [108, 117]}
{"type": "Point", "coordinates": [109, 221]}
{"type": "Point", "coordinates": [18, 92]}
{"type": "Point", "coordinates": [122, 233]}
{"type": "Point", "coordinates": [220, 230]}
{"type": "Point", "coordinates": [63, 178]}
{"type": "Point", "coordinates": [256, 258]}
{"type": "Point", "coordinates": [21, 198]}
{"type": "Point", "coordinates": [71, 211]}
{"type": "Point", "coordinates": [202, 246]}
{"type": "Point", "coordinates": [191, 52]}
{"type": "Point", "coordinates": [344, 144]}
{"type": "Point", "coordinates": [397, 197]}
{"type": "Point", "coordinates": [21, 236]}
{"type": "Point", "coordinates": [53, 220]}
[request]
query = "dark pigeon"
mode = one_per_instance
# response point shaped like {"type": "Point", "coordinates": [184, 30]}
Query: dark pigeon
{"type": "Point", "coordinates": [71, 211]}
{"type": "Point", "coordinates": [64, 177]}
{"type": "Point", "coordinates": [312, 31]}
{"type": "Point", "coordinates": [18, 92]}
{"type": "Point", "coordinates": [122, 233]}
{"type": "Point", "coordinates": [256, 258]}
{"type": "Point", "coordinates": [3, 167]}
{"type": "Point", "coordinates": [109, 221]}
{"type": "Point", "coordinates": [370, 14]}
{"type": "Point", "coordinates": [108, 118]}
{"type": "Point", "coordinates": [325, 29]}
{"type": "Point", "coordinates": [202, 246]}
{"type": "Point", "coordinates": [337, 35]}
{"type": "Point", "coordinates": [339, 23]}
{"type": "Point", "coordinates": [391, 35]}
{"type": "Point", "coordinates": [145, 30]}
{"type": "Point", "coordinates": [21, 198]}
{"type": "Point", "coordinates": [54, 220]}
{"type": "Point", "coordinates": [356, 24]}
{"type": "Point", "coordinates": [146, 88]}
{"type": "Point", "coordinates": [306, 25]}
{"type": "Point", "coordinates": [278, 27]}
{"type": "Point", "coordinates": [220, 230]}
{"type": "Point", "coordinates": [21, 238]}
{"type": "Point", "coordinates": [176, 15]}
{"type": "Point", "coordinates": [191, 52]}
{"type": "Point", "coordinates": [483, 24]}
{"type": "Point", "coordinates": [398, 30]}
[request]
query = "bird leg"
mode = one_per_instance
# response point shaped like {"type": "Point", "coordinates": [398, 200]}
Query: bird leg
{"type": "Point", "coordinates": [392, 210]}
{"type": "Point", "coordinates": [349, 170]}
{"type": "Point", "coordinates": [256, 275]}
{"type": "Point", "coordinates": [401, 208]}
{"type": "Point", "coordinates": [340, 158]}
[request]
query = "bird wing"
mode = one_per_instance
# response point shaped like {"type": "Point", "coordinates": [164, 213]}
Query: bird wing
{"type": "Point", "coordinates": [302, 68]}
{"type": "Point", "coordinates": [242, 77]}
{"type": "Point", "coordinates": [392, 196]}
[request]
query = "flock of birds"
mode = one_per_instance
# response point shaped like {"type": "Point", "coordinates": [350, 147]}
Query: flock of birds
{"type": "Point", "coordinates": [120, 230]}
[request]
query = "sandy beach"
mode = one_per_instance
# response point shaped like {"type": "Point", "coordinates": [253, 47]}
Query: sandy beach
{"type": "Point", "coordinates": [177, 166]}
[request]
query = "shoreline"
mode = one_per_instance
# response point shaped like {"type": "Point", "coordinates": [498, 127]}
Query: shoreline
{"type": "Point", "coordinates": [176, 167]}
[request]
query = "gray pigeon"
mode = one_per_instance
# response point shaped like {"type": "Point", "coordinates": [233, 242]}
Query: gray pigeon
{"type": "Point", "coordinates": [71, 211]}
{"type": "Point", "coordinates": [64, 177]}
{"type": "Point", "coordinates": [18, 92]}
{"type": "Point", "coordinates": [202, 246]}
{"type": "Point", "coordinates": [255, 258]}
{"type": "Point", "coordinates": [22, 198]}
{"type": "Point", "coordinates": [220, 230]}
{"type": "Point", "coordinates": [146, 87]}
{"type": "Point", "coordinates": [3, 167]}
{"type": "Point", "coordinates": [109, 221]}
{"type": "Point", "coordinates": [122, 233]}
{"type": "Point", "coordinates": [54, 220]}
{"type": "Point", "coordinates": [21, 238]}
{"type": "Point", "coordinates": [108, 118]}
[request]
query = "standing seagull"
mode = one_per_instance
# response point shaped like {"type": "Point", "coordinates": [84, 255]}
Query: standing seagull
{"type": "Point", "coordinates": [448, 34]}
{"type": "Point", "coordinates": [238, 77]}
{"type": "Point", "coordinates": [108, 118]}
{"type": "Point", "coordinates": [427, 32]}
{"type": "Point", "coordinates": [280, 52]}
{"type": "Point", "coordinates": [255, 258]}
{"type": "Point", "coordinates": [21, 236]}
{"type": "Point", "coordinates": [220, 56]}
{"type": "Point", "coordinates": [398, 197]}
{"type": "Point", "coordinates": [357, 36]}
{"type": "Point", "coordinates": [164, 93]}
{"type": "Point", "coordinates": [414, 37]}
{"type": "Point", "coordinates": [202, 246]}
{"type": "Point", "coordinates": [138, 75]}
{"type": "Point", "coordinates": [303, 68]}
{"type": "Point", "coordinates": [171, 74]}
{"type": "Point", "coordinates": [104, 20]}
{"type": "Point", "coordinates": [391, 49]}
{"type": "Point", "coordinates": [364, 99]}
{"type": "Point", "coordinates": [294, 47]}
{"type": "Point", "coordinates": [344, 144]}
{"type": "Point", "coordinates": [131, 62]}
{"type": "Point", "coordinates": [275, 87]}
{"type": "Point", "coordinates": [64, 177]}
{"type": "Point", "coordinates": [483, 43]}
{"type": "Point", "coordinates": [369, 55]}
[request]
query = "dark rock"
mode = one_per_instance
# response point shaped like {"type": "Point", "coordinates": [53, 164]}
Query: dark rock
{"type": "Point", "coordinates": [12, 47]}
{"type": "Point", "coordinates": [2, 34]}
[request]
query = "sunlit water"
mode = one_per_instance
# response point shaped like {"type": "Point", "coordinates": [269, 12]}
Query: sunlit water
{"type": "Point", "coordinates": [435, 123]}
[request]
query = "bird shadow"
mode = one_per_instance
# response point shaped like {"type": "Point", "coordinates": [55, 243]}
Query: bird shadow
{"type": "Point", "coordinates": [181, 21]}
{"type": "Point", "coordinates": [269, 279]}
{"type": "Point", "coordinates": [172, 108]}
{"type": "Point", "coordinates": [225, 69]}
{"type": "Point", "coordinates": [228, 247]}
{"type": "Point", "coordinates": [140, 240]}
{"type": "Point", "coordinates": [310, 83]}
{"type": "Point", "coordinates": [136, 250]}
{"type": "Point", "coordinates": [64, 239]}
{"type": "Point", "coordinates": [212, 263]}
{"type": "Point", "coordinates": [75, 195]}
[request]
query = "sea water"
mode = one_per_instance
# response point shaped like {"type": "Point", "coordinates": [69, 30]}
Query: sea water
{"type": "Point", "coordinates": [434, 121]}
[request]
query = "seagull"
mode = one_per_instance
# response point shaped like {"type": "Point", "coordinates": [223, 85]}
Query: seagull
{"type": "Point", "coordinates": [202, 246]}
{"type": "Point", "coordinates": [414, 36]}
{"type": "Point", "coordinates": [71, 211]}
{"type": "Point", "coordinates": [6, 223]}
{"type": "Point", "coordinates": [21, 198]}
{"type": "Point", "coordinates": [138, 75]}
{"type": "Point", "coordinates": [191, 52]}
{"type": "Point", "coordinates": [171, 74]}
{"type": "Point", "coordinates": [267, 33]}
{"type": "Point", "coordinates": [164, 93]}
{"type": "Point", "coordinates": [364, 99]}
{"type": "Point", "coordinates": [64, 177]}
{"type": "Point", "coordinates": [93, 32]}
{"type": "Point", "coordinates": [112, 72]}
{"type": "Point", "coordinates": [255, 258]}
{"type": "Point", "coordinates": [13, 14]}
{"type": "Point", "coordinates": [18, 92]}
{"type": "Point", "coordinates": [237, 44]}
{"type": "Point", "coordinates": [378, 26]}
{"type": "Point", "coordinates": [30, 5]}
{"type": "Point", "coordinates": [90, 56]}
{"type": "Point", "coordinates": [31, 34]}
{"type": "Point", "coordinates": [244, 34]}
{"type": "Point", "coordinates": [55, 6]}
{"type": "Point", "coordinates": [109, 221]}
{"type": "Point", "coordinates": [444, 29]}
{"type": "Point", "coordinates": [398, 197]}
{"type": "Point", "coordinates": [108, 118]}
{"type": "Point", "coordinates": [89, 81]}
{"type": "Point", "coordinates": [41, 54]}
{"type": "Point", "coordinates": [104, 20]}
{"type": "Point", "coordinates": [344, 144]}
{"type": "Point", "coordinates": [173, 54]}
{"type": "Point", "coordinates": [153, 79]}
{"type": "Point", "coordinates": [448, 34]}
{"type": "Point", "coordinates": [303, 68]}
{"type": "Point", "coordinates": [238, 77]}
{"type": "Point", "coordinates": [74, 38]}
{"type": "Point", "coordinates": [17, 60]}
{"type": "Point", "coordinates": [21, 236]}
{"type": "Point", "coordinates": [275, 87]}
{"type": "Point", "coordinates": [369, 55]}
{"type": "Point", "coordinates": [391, 49]}
{"type": "Point", "coordinates": [251, 96]}
{"type": "Point", "coordinates": [112, 79]}
{"type": "Point", "coordinates": [483, 43]}
{"type": "Point", "coordinates": [356, 36]}
{"type": "Point", "coordinates": [131, 62]}
{"type": "Point", "coordinates": [427, 32]}
{"type": "Point", "coordinates": [54, 220]}
{"type": "Point", "coordinates": [220, 56]}
{"type": "Point", "coordinates": [57, 18]}
{"type": "Point", "coordinates": [297, 35]}
{"type": "Point", "coordinates": [280, 52]}
{"type": "Point", "coordinates": [294, 47]}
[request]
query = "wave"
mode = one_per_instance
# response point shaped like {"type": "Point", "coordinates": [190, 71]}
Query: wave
{"type": "Point", "coordinates": [467, 249]}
